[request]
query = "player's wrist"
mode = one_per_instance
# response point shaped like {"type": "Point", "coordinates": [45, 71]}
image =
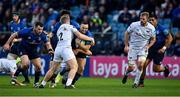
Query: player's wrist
{"type": "Point", "coordinates": [164, 48]}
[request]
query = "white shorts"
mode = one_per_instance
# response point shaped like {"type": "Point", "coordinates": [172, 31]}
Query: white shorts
{"type": "Point", "coordinates": [134, 54]}
{"type": "Point", "coordinates": [63, 54]}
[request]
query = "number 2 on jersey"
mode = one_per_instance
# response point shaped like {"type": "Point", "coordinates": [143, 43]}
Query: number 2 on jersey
{"type": "Point", "coordinates": [60, 36]}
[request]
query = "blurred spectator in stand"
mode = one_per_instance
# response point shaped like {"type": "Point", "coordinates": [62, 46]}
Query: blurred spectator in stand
{"type": "Point", "coordinates": [168, 11]}
{"type": "Point", "coordinates": [177, 45]}
{"type": "Point", "coordinates": [134, 16]}
{"type": "Point", "coordinates": [125, 16]}
{"type": "Point", "coordinates": [96, 23]}
{"type": "Point", "coordinates": [176, 17]}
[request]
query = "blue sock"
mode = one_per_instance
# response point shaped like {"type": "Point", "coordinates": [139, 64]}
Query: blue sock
{"type": "Point", "coordinates": [37, 76]}
{"type": "Point", "coordinates": [18, 71]}
{"type": "Point", "coordinates": [25, 74]}
{"type": "Point", "coordinates": [76, 78]}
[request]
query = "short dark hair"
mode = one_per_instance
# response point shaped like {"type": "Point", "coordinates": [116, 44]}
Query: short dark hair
{"type": "Point", "coordinates": [64, 17]}
{"type": "Point", "coordinates": [153, 15]}
{"type": "Point", "coordinates": [16, 13]}
{"type": "Point", "coordinates": [64, 11]}
{"type": "Point", "coordinates": [38, 24]}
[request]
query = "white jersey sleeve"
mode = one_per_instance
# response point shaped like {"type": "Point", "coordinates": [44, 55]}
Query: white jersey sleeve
{"type": "Point", "coordinates": [130, 28]}
{"type": "Point", "coordinates": [74, 30]}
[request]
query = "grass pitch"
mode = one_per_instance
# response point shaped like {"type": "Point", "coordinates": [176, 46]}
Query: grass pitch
{"type": "Point", "coordinates": [95, 87]}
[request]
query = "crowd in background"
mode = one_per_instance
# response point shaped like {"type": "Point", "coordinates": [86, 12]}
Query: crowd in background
{"type": "Point", "coordinates": [108, 19]}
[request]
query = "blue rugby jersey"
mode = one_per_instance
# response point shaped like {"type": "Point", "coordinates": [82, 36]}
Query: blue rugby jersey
{"type": "Point", "coordinates": [161, 33]}
{"type": "Point", "coordinates": [14, 27]}
{"type": "Point", "coordinates": [30, 39]}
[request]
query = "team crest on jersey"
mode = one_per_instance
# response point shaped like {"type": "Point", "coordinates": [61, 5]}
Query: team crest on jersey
{"type": "Point", "coordinates": [39, 38]}
{"type": "Point", "coordinates": [29, 37]}
{"type": "Point", "coordinates": [157, 32]}
{"type": "Point", "coordinates": [65, 29]}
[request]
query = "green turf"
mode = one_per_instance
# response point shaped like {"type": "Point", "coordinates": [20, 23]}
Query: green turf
{"type": "Point", "coordinates": [96, 87]}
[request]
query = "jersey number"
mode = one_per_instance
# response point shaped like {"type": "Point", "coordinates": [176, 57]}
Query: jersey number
{"type": "Point", "coordinates": [60, 36]}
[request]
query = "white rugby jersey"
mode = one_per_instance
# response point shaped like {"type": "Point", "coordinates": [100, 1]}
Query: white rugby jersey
{"type": "Point", "coordinates": [8, 65]}
{"type": "Point", "coordinates": [140, 35]}
{"type": "Point", "coordinates": [65, 34]}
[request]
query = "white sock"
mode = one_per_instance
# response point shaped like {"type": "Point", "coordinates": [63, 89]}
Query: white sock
{"type": "Point", "coordinates": [137, 77]}
{"type": "Point", "coordinates": [43, 83]}
{"type": "Point", "coordinates": [69, 81]}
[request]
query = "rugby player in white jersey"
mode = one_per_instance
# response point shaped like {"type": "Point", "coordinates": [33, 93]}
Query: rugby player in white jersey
{"type": "Point", "coordinates": [64, 51]}
{"type": "Point", "coordinates": [139, 37]}
{"type": "Point", "coordinates": [8, 66]}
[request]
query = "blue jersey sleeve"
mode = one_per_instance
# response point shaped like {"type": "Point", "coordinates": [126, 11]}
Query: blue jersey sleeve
{"type": "Point", "coordinates": [45, 37]}
{"type": "Point", "coordinates": [165, 31]}
{"type": "Point", "coordinates": [88, 33]}
{"type": "Point", "coordinates": [24, 32]}
{"type": "Point", "coordinates": [75, 24]}
{"type": "Point", "coordinates": [56, 27]}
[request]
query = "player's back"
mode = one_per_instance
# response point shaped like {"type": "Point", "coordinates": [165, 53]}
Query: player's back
{"type": "Point", "coordinates": [6, 65]}
{"type": "Point", "coordinates": [65, 34]}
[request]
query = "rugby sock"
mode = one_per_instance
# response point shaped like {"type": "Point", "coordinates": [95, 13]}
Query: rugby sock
{"type": "Point", "coordinates": [18, 71]}
{"type": "Point", "coordinates": [43, 83]}
{"type": "Point", "coordinates": [25, 74]}
{"type": "Point", "coordinates": [141, 81]}
{"type": "Point", "coordinates": [37, 76]}
{"type": "Point", "coordinates": [76, 78]}
{"type": "Point", "coordinates": [69, 81]}
{"type": "Point", "coordinates": [137, 77]}
{"type": "Point", "coordinates": [127, 72]}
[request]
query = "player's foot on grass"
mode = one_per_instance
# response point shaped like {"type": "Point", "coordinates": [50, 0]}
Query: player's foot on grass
{"type": "Point", "coordinates": [26, 82]}
{"type": "Point", "coordinates": [63, 81]}
{"type": "Point", "coordinates": [166, 71]}
{"type": "Point", "coordinates": [36, 85]}
{"type": "Point", "coordinates": [53, 85]}
{"type": "Point", "coordinates": [141, 85]}
{"type": "Point", "coordinates": [134, 86]}
{"type": "Point", "coordinates": [69, 87]}
{"type": "Point", "coordinates": [41, 86]}
{"type": "Point", "coordinates": [124, 80]}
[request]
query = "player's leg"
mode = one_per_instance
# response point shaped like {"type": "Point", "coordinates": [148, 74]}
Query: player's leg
{"type": "Point", "coordinates": [23, 66]}
{"type": "Point", "coordinates": [14, 55]}
{"type": "Point", "coordinates": [157, 67]}
{"type": "Point", "coordinates": [72, 63]}
{"type": "Point", "coordinates": [37, 63]}
{"type": "Point", "coordinates": [49, 74]}
{"type": "Point", "coordinates": [132, 57]}
{"type": "Point", "coordinates": [81, 65]}
{"type": "Point", "coordinates": [141, 82]}
{"type": "Point", "coordinates": [140, 62]}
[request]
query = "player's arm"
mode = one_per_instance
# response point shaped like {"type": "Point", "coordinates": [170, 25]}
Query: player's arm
{"type": "Point", "coordinates": [152, 41]}
{"type": "Point", "coordinates": [82, 36]}
{"type": "Point", "coordinates": [168, 41]}
{"type": "Point", "coordinates": [126, 39]}
{"type": "Point", "coordinates": [49, 47]}
{"type": "Point", "coordinates": [9, 41]}
{"type": "Point", "coordinates": [82, 45]}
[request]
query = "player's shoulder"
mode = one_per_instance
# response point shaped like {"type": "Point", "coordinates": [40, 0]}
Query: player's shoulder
{"type": "Point", "coordinates": [11, 22]}
{"type": "Point", "coordinates": [137, 23]}
{"type": "Point", "coordinates": [161, 27]}
{"type": "Point", "coordinates": [149, 25]}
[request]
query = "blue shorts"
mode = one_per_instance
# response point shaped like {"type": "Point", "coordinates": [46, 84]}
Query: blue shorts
{"type": "Point", "coordinates": [155, 56]}
{"type": "Point", "coordinates": [31, 52]}
{"type": "Point", "coordinates": [15, 48]}
{"type": "Point", "coordinates": [81, 55]}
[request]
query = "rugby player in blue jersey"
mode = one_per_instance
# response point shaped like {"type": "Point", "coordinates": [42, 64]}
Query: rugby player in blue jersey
{"type": "Point", "coordinates": [16, 25]}
{"type": "Point", "coordinates": [32, 38]}
{"type": "Point", "coordinates": [156, 52]}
